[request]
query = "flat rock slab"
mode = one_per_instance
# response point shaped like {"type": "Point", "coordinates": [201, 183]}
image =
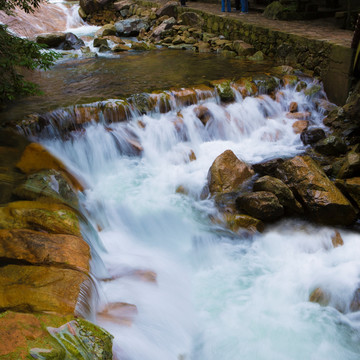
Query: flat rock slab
{"type": "Point", "coordinates": [39, 248]}
{"type": "Point", "coordinates": [41, 289]}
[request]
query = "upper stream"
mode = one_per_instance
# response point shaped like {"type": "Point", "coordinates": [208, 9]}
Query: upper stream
{"type": "Point", "coordinates": [217, 295]}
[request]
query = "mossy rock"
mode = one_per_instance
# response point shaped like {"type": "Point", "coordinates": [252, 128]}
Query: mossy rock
{"type": "Point", "coordinates": [142, 102]}
{"type": "Point", "coordinates": [224, 90]}
{"type": "Point", "coordinates": [276, 11]}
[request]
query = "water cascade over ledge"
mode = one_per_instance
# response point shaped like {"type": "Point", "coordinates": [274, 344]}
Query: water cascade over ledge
{"type": "Point", "coordinates": [178, 285]}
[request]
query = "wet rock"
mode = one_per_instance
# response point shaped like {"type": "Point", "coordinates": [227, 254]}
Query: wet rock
{"type": "Point", "coordinates": [332, 145]}
{"type": "Point", "coordinates": [227, 173]}
{"type": "Point", "coordinates": [41, 288]}
{"type": "Point", "coordinates": [312, 136]}
{"type": "Point", "coordinates": [98, 42]}
{"type": "Point", "coordinates": [258, 56]}
{"type": "Point", "coordinates": [322, 200]}
{"type": "Point", "coordinates": [106, 30]}
{"type": "Point", "coordinates": [20, 332]}
{"type": "Point", "coordinates": [203, 113]}
{"type": "Point", "coordinates": [178, 40]}
{"type": "Point", "coordinates": [300, 126]}
{"type": "Point", "coordinates": [351, 166]}
{"type": "Point", "coordinates": [282, 192]}
{"type": "Point", "coordinates": [104, 48]}
{"type": "Point", "coordinates": [299, 115]}
{"type": "Point", "coordinates": [71, 42]}
{"type": "Point", "coordinates": [242, 48]}
{"type": "Point", "coordinates": [301, 86]}
{"type": "Point", "coordinates": [185, 97]}
{"type": "Point", "coordinates": [53, 40]}
{"type": "Point", "coordinates": [141, 46]}
{"type": "Point", "coordinates": [39, 248]}
{"type": "Point", "coordinates": [337, 240]}
{"type": "Point", "coordinates": [82, 340]}
{"type": "Point", "coordinates": [36, 158]}
{"type": "Point", "coordinates": [191, 19]}
{"type": "Point", "coordinates": [320, 296]}
{"type": "Point", "coordinates": [181, 190]}
{"type": "Point", "coordinates": [131, 27]}
{"type": "Point", "coordinates": [203, 47]}
{"type": "Point", "coordinates": [51, 218]}
{"type": "Point", "coordinates": [47, 184]}
{"type": "Point", "coordinates": [246, 87]}
{"type": "Point", "coordinates": [169, 9]}
{"type": "Point", "coordinates": [224, 90]}
{"type": "Point", "coordinates": [266, 84]}
{"type": "Point", "coordinates": [313, 90]}
{"type": "Point", "coordinates": [355, 302]}
{"type": "Point", "coordinates": [351, 187]}
{"type": "Point", "coordinates": [236, 223]}
{"type": "Point", "coordinates": [119, 312]}
{"type": "Point", "coordinates": [262, 205]}
{"type": "Point", "coordinates": [290, 80]}
{"type": "Point", "coordinates": [293, 108]}
{"type": "Point", "coordinates": [268, 167]}
{"type": "Point", "coordinates": [120, 48]}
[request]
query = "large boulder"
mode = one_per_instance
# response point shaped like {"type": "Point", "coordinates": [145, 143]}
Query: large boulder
{"type": "Point", "coordinates": [351, 165]}
{"type": "Point", "coordinates": [106, 30]}
{"type": "Point", "coordinates": [48, 184]}
{"type": "Point", "coordinates": [123, 5]}
{"type": "Point", "coordinates": [41, 288]}
{"type": "Point", "coordinates": [131, 27]}
{"type": "Point", "coordinates": [262, 205]}
{"type": "Point", "coordinates": [227, 173]}
{"type": "Point", "coordinates": [332, 145]}
{"type": "Point", "coordinates": [39, 248]}
{"type": "Point", "coordinates": [351, 187]}
{"type": "Point", "coordinates": [163, 27]}
{"type": "Point", "coordinates": [321, 199]}
{"type": "Point", "coordinates": [67, 41]}
{"type": "Point", "coordinates": [190, 18]}
{"type": "Point", "coordinates": [169, 9]}
{"type": "Point", "coordinates": [312, 136]}
{"type": "Point", "coordinates": [41, 216]}
{"type": "Point", "coordinates": [282, 192]}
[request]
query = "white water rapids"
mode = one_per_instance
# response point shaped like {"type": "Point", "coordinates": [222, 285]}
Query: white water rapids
{"type": "Point", "coordinates": [217, 296]}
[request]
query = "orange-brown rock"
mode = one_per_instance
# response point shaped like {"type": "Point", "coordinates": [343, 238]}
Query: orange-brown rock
{"type": "Point", "coordinates": [192, 156]}
{"type": "Point", "coordinates": [185, 97]}
{"type": "Point", "coordinates": [337, 240]}
{"type": "Point", "coordinates": [35, 158]}
{"type": "Point", "coordinates": [246, 87]}
{"type": "Point", "coordinates": [227, 173]}
{"type": "Point", "coordinates": [293, 108]}
{"type": "Point", "coordinates": [300, 125]}
{"type": "Point", "coordinates": [290, 80]}
{"type": "Point", "coordinates": [203, 92]}
{"type": "Point", "coordinates": [145, 275]}
{"type": "Point", "coordinates": [20, 332]}
{"type": "Point", "coordinates": [203, 113]}
{"type": "Point", "coordinates": [41, 288]}
{"type": "Point", "coordinates": [299, 115]}
{"type": "Point", "coordinates": [41, 216]}
{"type": "Point", "coordinates": [320, 296]}
{"type": "Point", "coordinates": [181, 190]}
{"type": "Point", "coordinates": [322, 200]}
{"type": "Point", "coordinates": [38, 248]}
{"type": "Point", "coordinates": [353, 189]}
{"type": "Point", "coordinates": [236, 222]}
{"type": "Point", "coordinates": [119, 312]}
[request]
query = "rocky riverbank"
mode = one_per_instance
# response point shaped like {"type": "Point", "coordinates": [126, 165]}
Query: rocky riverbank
{"type": "Point", "coordinates": [46, 288]}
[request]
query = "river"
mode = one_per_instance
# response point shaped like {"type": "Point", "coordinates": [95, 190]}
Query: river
{"type": "Point", "coordinates": [201, 292]}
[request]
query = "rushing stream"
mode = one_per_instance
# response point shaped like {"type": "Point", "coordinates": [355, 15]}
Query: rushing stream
{"type": "Point", "coordinates": [202, 292]}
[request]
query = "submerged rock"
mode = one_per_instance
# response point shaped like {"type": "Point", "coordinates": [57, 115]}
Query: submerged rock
{"type": "Point", "coordinates": [227, 173]}
{"type": "Point", "coordinates": [238, 222]}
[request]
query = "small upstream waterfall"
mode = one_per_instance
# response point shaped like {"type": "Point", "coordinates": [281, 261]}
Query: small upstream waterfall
{"type": "Point", "coordinates": [202, 292]}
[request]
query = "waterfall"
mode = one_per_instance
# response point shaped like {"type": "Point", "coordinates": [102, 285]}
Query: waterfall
{"type": "Point", "coordinates": [178, 285]}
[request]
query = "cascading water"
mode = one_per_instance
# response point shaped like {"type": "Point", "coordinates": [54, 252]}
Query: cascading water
{"type": "Point", "coordinates": [202, 292]}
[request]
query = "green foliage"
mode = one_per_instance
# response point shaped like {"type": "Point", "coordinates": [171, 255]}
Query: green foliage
{"type": "Point", "coordinates": [18, 53]}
